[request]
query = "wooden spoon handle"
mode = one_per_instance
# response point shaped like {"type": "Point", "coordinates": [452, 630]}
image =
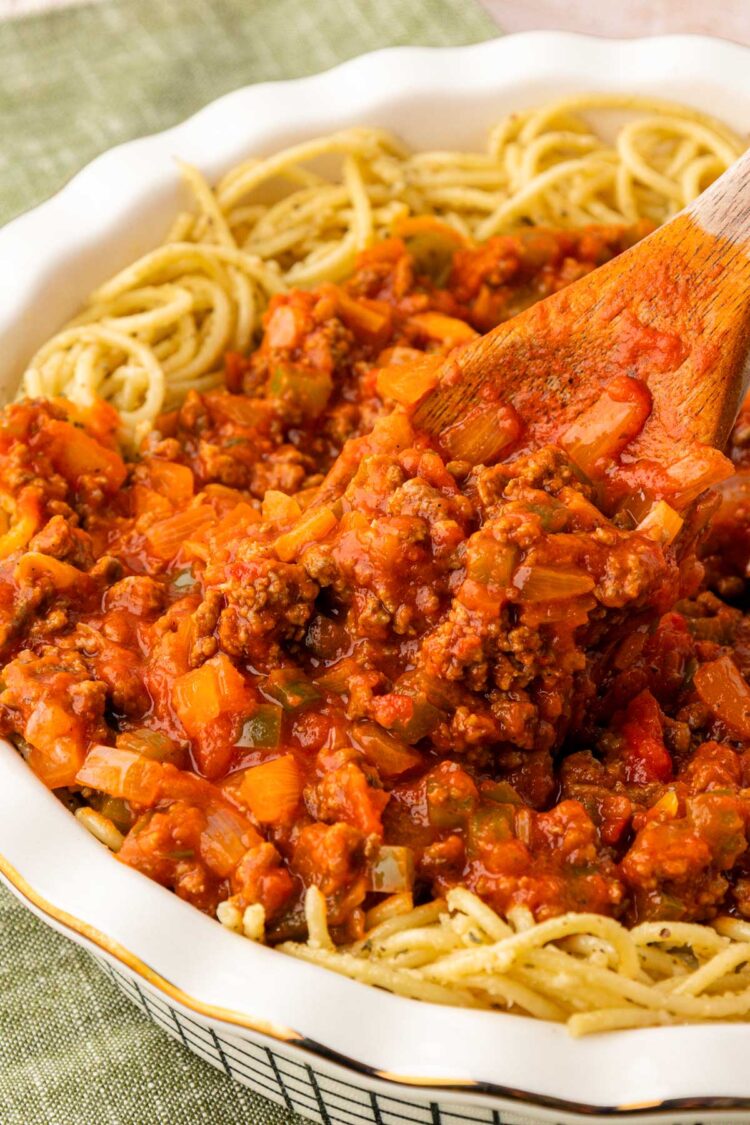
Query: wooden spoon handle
{"type": "Point", "coordinates": [724, 208]}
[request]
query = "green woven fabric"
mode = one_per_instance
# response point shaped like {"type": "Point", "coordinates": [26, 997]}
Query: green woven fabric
{"type": "Point", "coordinates": [77, 81]}
{"type": "Point", "coordinates": [73, 83]}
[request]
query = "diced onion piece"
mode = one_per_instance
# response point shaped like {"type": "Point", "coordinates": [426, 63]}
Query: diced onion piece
{"type": "Point", "coordinates": [696, 472]}
{"type": "Point", "coordinates": [389, 756]}
{"type": "Point", "coordinates": [408, 383]}
{"type": "Point", "coordinates": [121, 773]}
{"type": "Point", "coordinates": [101, 828]}
{"type": "Point", "coordinates": [548, 584]}
{"type": "Point", "coordinates": [226, 837]}
{"type": "Point", "coordinates": [446, 329]}
{"type": "Point", "coordinates": [483, 434]}
{"type": "Point", "coordinates": [599, 434]}
{"type": "Point", "coordinates": [33, 566]}
{"type": "Point", "coordinates": [272, 790]}
{"type": "Point", "coordinates": [662, 523]}
{"type": "Point", "coordinates": [278, 507]}
{"type": "Point", "coordinates": [392, 870]}
{"type": "Point", "coordinates": [286, 327]}
{"type": "Point", "coordinates": [723, 689]}
{"type": "Point", "coordinates": [152, 744]}
{"type": "Point", "coordinates": [313, 526]}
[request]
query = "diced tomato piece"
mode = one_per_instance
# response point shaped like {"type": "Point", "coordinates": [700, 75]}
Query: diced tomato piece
{"type": "Point", "coordinates": [646, 757]}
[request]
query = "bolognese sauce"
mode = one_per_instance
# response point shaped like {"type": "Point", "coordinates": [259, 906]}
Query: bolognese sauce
{"type": "Point", "coordinates": [450, 674]}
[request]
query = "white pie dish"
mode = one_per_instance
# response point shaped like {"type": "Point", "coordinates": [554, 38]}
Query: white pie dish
{"type": "Point", "coordinates": [349, 1053]}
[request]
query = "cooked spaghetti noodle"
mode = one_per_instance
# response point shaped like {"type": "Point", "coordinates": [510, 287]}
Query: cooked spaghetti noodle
{"type": "Point", "coordinates": [162, 326]}
{"type": "Point", "coordinates": [585, 970]}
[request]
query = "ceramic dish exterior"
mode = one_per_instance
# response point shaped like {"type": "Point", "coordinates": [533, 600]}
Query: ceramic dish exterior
{"type": "Point", "coordinates": [331, 1048]}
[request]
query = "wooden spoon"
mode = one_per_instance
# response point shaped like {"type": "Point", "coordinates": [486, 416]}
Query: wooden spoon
{"type": "Point", "coordinates": [669, 318]}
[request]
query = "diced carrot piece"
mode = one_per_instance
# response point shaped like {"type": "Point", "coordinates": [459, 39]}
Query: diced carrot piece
{"type": "Point", "coordinates": [174, 481]}
{"type": "Point", "coordinates": [278, 507]}
{"type": "Point", "coordinates": [273, 790]}
{"type": "Point", "coordinates": [234, 523]}
{"type": "Point", "coordinates": [239, 409]}
{"type": "Point", "coordinates": [167, 536]}
{"type": "Point", "coordinates": [167, 423]}
{"type": "Point", "coordinates": [232, 687]}
{"type": "Point", "coordinates": [74, 453]}
{"type": "Point", "coordinates": [313, 526]}
{"type": "Point", "coordinates": [56, 744]}
{"type": "Point", "coordinates": [196, 698]}
{"type": "Point", "coordinates": [446, 330]}
{"type": "Point", "coordinates": [144, 500]}
{"type": "Point", "coordinates": [222, 498]}
{"type": "Point", "coordinates": [121, 773]}
{"type": "Point", "coordinates": [201, 695]}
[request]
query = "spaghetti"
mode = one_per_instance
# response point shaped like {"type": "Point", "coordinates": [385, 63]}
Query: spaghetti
{"type": "Point", "coordinates": [584, 970]}
{"type": "Point", "coordinates": [162, 326]}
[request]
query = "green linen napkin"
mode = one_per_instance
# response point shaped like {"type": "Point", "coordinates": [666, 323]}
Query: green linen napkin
{"type": "Point", "coordinates": [73, 83]}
